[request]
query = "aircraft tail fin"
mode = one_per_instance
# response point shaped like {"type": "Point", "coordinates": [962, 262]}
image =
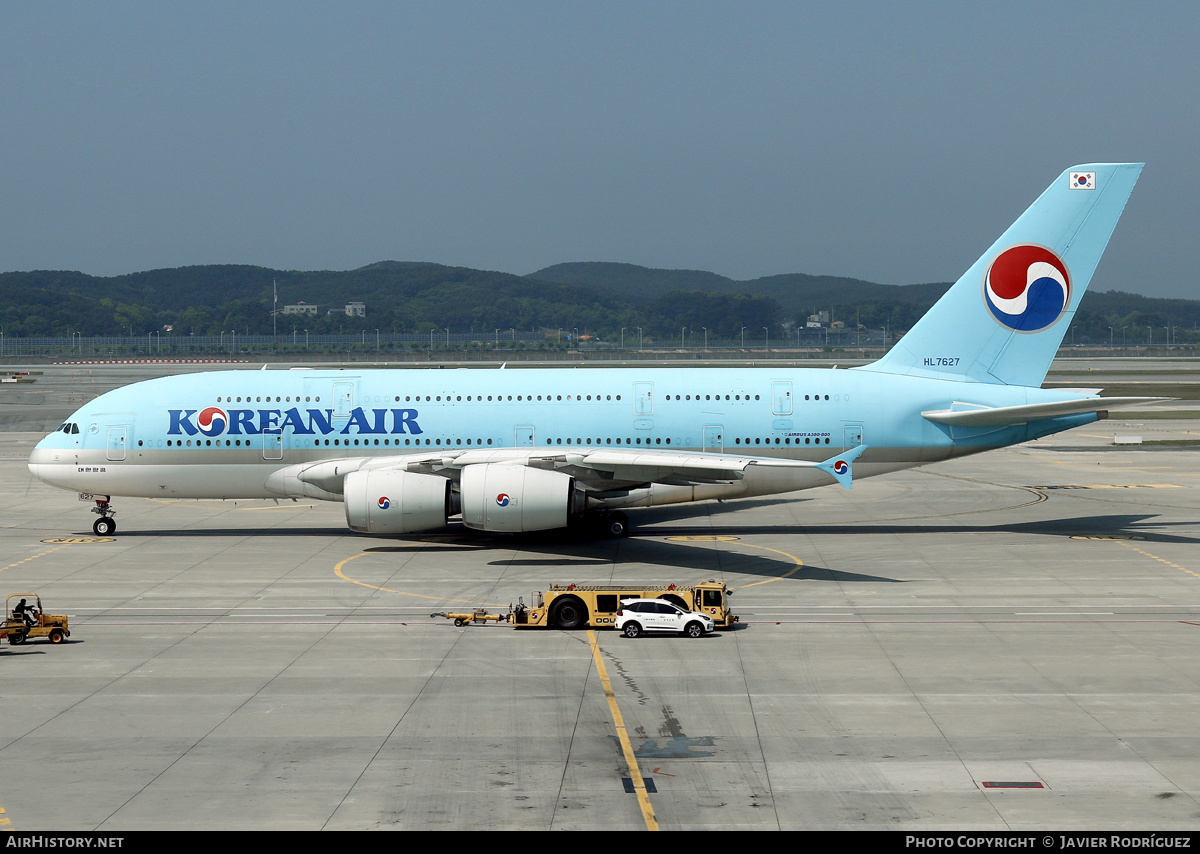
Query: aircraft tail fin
{"type": "Point", "coordinates": [1004, 320]}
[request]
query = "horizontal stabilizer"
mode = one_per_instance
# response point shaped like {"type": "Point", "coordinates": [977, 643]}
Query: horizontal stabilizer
{"type": "Point", "coordinates": [1004, 416]}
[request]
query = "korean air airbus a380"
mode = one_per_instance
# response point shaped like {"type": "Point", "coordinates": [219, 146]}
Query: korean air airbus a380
{"type": "Point", "coordinates": [536, 449]}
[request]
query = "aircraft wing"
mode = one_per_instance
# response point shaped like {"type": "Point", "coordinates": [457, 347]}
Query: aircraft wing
{"type": "Point", "coordinates": [596, 469]}
{"type": "Point", "coordinates": [975, 415]}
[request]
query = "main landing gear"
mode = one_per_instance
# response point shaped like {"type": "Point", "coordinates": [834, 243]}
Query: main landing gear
{"type": "Point", "coordinates": [615, 524]}
{"type": "Point", "coordinates": [602, 523]}
{"type": "Point", "coordinates": [106, 525]}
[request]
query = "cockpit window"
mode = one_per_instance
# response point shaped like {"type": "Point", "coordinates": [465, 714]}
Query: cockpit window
{"type": "Point", "coordinates": [69, 428]}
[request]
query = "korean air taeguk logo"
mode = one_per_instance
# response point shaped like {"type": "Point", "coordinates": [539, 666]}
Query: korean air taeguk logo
{"type": "Point", "coordinates": [840, 467]}
{"type": "Point", "coordinates": [1027, 288]}
{"type": "Point", "coordinates": [212, 421]}
{"type": "Point", "coordinates": [384, 502]}
{"type": "Point", "coordinates": [502, 500]}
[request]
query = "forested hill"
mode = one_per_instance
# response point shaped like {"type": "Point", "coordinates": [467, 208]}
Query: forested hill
{"type": "Point", "coordinates": [795, 292]}
{"type": "Point", "coordinates": [595, 298]}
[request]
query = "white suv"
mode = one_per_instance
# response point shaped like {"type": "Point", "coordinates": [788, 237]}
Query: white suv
{"type": "Point", "coordinates": [655, 615]}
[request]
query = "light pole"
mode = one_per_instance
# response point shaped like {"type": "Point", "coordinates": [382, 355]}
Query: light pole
{"type": "Point", "coordinates": [376, 340]}
{"type": "Point", "coordinates": [639, 339]}
{"type": "Point", "coordinates": [766, 339]}
{"type": "Point", "coordinates": [705, 338]}
{"type": "Point", "coordinates": [743, 338]}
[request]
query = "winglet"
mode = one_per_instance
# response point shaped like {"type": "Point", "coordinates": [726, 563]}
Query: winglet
{"type": "Point", "coordinates": [840, 468]}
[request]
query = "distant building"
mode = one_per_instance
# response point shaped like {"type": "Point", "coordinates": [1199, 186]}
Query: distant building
{"type": "Point", "coordinates": [356, 309]}
{"type": "Point", "coordinates": [302, 308]}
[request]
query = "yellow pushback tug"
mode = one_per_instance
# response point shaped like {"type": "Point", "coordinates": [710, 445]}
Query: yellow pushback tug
{"type": "Point", "coordinates": [576, 606]}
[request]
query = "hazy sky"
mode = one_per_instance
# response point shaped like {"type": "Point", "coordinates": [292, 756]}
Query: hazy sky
{"type": "Point", "coordinates": [886, 141]}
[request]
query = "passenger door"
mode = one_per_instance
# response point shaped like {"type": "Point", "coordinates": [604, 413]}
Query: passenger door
{"type": "Point", "coordinates": [118, 438]}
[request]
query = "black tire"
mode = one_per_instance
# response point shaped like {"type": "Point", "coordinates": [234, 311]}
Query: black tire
{"type": "Point", "coordinates": [104, 527]}
{"type": "Point", "coordinates": [57, 636]}
{"type": "Point", "coordinates": [16, 638]}
{"type": "Point", "coordinates": [568, 612]}
{"type": "Point", "coordinates": [458, 622]}
{"type": "Point", "coordinates": [631, 630]}
{"type": "Point", "coordinates": [693, 630]}
{"type": "Point", "coordinates": [617, 525]}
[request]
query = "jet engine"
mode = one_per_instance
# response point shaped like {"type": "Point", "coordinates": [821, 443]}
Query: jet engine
{"type": "Point", "coordinates": [396, 502]}
{"type": "Point", "coordinates": [514, 498]}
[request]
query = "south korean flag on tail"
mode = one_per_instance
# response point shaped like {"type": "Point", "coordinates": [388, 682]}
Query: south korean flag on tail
{"type": "Point", "coordinates": [1083, 180]}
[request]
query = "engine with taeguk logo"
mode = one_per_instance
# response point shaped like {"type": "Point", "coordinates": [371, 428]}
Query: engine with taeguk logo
{"type": "Point", "coordinates": [1027, 288]}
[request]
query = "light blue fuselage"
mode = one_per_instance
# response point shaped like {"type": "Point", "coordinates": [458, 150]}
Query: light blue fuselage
{"type": "Point", "coordinates": [148, 439]}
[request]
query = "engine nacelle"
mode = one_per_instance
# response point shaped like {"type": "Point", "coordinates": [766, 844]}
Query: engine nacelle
{"type": "Point", "coordinates": [513, 498]}
{"type": "Point", "coordinates": [395, 502]}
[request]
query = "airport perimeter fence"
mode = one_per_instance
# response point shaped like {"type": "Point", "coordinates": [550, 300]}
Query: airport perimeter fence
{"type": "Point", "coordinates": [233, 345]}
{"type": "Point", "coordinates": [370, 344]}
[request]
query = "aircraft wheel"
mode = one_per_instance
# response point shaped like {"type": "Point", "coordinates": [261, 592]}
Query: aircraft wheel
{"type": "Point", "coordinates": [104, 527]}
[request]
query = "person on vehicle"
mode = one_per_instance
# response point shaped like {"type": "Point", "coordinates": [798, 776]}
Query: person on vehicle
{"type": "Point", "coordinates": [25, 613]}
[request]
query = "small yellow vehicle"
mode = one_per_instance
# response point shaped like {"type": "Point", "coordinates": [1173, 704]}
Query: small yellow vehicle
{"type": "Point", "coordinates": [25, 619]}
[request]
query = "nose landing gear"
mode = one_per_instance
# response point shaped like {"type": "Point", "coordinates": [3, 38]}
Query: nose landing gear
{"type": "Point", "coordinates": [106, 525]}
